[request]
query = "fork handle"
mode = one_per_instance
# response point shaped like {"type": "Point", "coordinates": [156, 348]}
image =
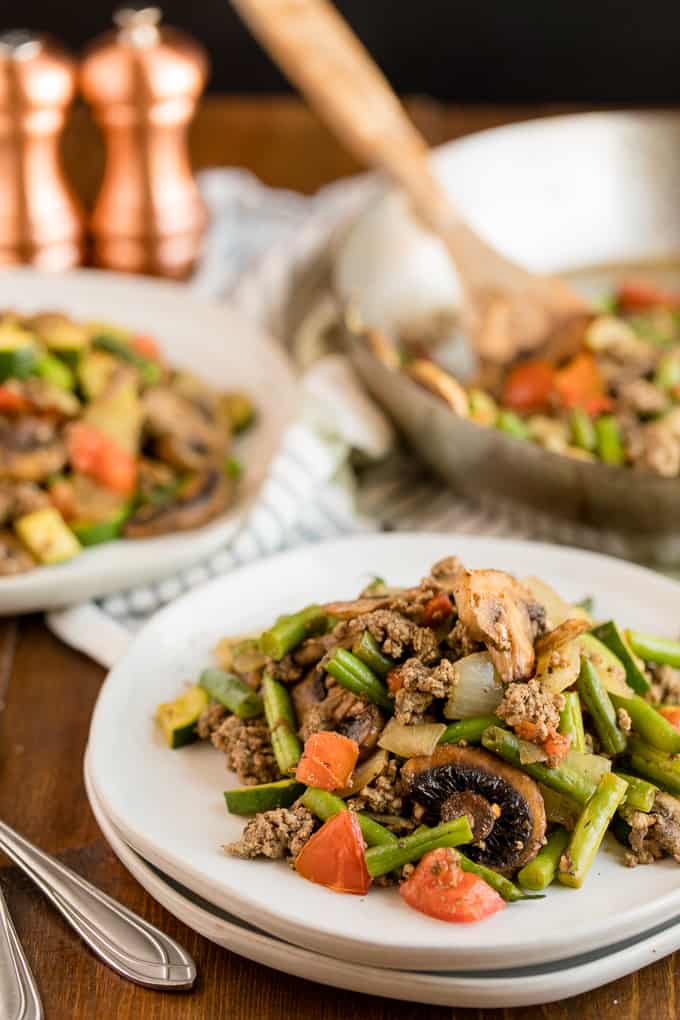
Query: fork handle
{"type": "Point", "coordinates": [130, 945]}
{"type": "Point", "coordinates": [19, 996]}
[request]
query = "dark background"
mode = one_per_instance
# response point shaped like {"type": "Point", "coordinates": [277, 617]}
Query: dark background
{"type": "Point", "coordinates": [467, 50]}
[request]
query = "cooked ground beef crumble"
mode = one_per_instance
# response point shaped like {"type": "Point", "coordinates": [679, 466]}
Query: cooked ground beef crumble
{"type": "Point", "coordinates": [275, 834]}
{"type": "Point", "coordinates": [532, 703]}
{"type": "Point", "coordinates": [248, 749]}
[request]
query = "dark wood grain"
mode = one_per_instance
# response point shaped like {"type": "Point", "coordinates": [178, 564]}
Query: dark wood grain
{"type": "Point", "coordinates": [48, 692]}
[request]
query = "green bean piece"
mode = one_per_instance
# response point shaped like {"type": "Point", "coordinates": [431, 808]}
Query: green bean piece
{"type": "Point", "coordinates": [324, 805]}
{"type": "Point", "coordinates": [562, 779]}
{"type": "Point", "coordinates": [667, 374]}
{"type": "Point", "coordinates": [280, 718]}
{"type": "Point", "coordinates": [508, 421]}
{"type": "Point", "coordinates": [507, 889]}
{"type": "Point", "coordinates": [571, 721]}
{"type": "Point", "coordinates": [649, 724]}
{"type": "Point", "coordinates": [381, 859]}
{"type": "Point", "coordinates": [468, 730]}
{"type": "Point", "coordinates": [590, 830]}
{"type": "Point", "coordinates": [232, 693]}
{"type": "Point", "coordinates": [583, 430]}
{"type": "Point", "coordinates": [355, 676]}
{"type": "Point", "coordinates": [483, 408]}
{"type": "Point", "coordinates": [655, 766]}
{"type": "Point", "coordinates": [651, 648]}
{"type": "Point", "coordinates": [368, 650]}
{"type": "Point", "coordinates": [289, 631]}
{"type": "Point", "coordinates": [640, 793]}
{"type": "Point", "coordinates": [596, 699]}
{"type": "Point", "coordinates": [539, 873]}
{"type": "Point", "coordinates": [609, 443]}
{"type": "Point", "coordinates": [587, 603]}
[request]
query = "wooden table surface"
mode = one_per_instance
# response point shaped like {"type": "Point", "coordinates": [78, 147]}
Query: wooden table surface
{"type": "Point", "coordinates": [48, 692]}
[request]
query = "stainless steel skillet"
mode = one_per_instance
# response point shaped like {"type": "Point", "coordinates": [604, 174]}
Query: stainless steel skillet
{"type": "Point", "coordinates": [559, 194]}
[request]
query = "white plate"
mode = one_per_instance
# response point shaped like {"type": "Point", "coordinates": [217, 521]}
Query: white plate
{"type": "Point", "coordinates": [521, 987]}
{"type": "Point", "coordinates": [211, 340]}
{"type": "Point", "coordinates": [169, 805]}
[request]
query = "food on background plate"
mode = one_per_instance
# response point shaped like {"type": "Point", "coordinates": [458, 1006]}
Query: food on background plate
{"type": "Point", "coordinates": [607, 389]}
{"type": "Point", "coordinates": [471, 739]}
{"type": "Point", "coordinates": [101, 438]}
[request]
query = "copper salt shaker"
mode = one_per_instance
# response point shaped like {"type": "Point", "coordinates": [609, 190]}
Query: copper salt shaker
{"type": "Point", "coordinates": [143, 82]}
{"type": "Point", "coordinates": [40, 221]}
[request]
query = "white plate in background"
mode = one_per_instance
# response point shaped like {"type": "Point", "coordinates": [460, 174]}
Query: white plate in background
{"type": "Point", "coordinates": [215, 343]}
{"type": "Point", "coordinates": [169, 805]}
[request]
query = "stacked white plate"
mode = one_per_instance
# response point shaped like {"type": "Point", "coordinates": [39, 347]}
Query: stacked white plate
{"type": "Point", "coordinates": [163, 812]}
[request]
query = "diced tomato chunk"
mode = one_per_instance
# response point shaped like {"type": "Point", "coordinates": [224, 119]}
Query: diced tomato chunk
{"type": "Point", "coordinates": [327, 760]}
{"type": "Point", "coordinates": [95, 454]}
{"type": "Point", "coordinates": [640, 295]}
{"type": "Point", "coordinates": [672, 713]}
{"type": "Point", "coordinates": [441, 889]}
{"type": "Point", "coordinates": [334, 856]}
{"type": "Point", "coordinates": [528, 386]}
{"type": "Point", "coordinates": [580, 384]}
{"type": "Point", "coordinates": [147, 346]}
{"type": "Point", "coordinates": [437, 610]}
{"type": "Point", "coordinates": [12, 401]}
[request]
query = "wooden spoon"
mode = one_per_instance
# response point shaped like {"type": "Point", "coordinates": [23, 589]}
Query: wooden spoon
{"type": "Point", "coordinates": [506, 309]}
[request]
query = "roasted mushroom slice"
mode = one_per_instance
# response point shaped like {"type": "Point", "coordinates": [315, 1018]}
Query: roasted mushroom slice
{"type": "Point", "coordinates": [14, 558]}
{"type": "Point", "coordinates": [30, 450]}
{"type": "Point", "coordinates": [478, 784]}
{"type": "Point", "coordinates": [496, 609]}
{"type": "Point", "coordinates": [364, 729]}
{"type": "Point", "coordinates": [188, 434]}
{"type": "Point", "coordinates": [439, 382]}
{"type": "Point", "coordinates": [206, 496]}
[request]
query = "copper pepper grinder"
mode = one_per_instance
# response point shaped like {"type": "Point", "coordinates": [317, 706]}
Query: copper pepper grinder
{"type": "Point", "coordinates": [143, 82]}
{"type": "Point", "coordinates": [40, 221]}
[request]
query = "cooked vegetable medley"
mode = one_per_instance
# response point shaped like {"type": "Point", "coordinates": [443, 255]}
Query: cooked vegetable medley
{"type": "Point", "coordinates": [100, 438]}
{"type": "Point", "coordinates": [607, 389]}
{"type": "Point", "coordinates": [471, 739]}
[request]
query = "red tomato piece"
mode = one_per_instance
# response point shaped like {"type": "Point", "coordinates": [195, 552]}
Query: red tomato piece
{"type": "Point", "coordinates": [579, 384]}
{"type": "Point", "coordinates": [12, 401]}
{"type": "Point", "coordinates": [440, 888]}
{"type": "Point", "coordinates": [528, 386]}
{"type": "Point", "coordinates": [334, 856]}
{"type": "Point", "coordinates": [327, 760]}
{"type": "Point", "coordinates": [437, 610]}
{"type": "Point", "coordinates": [672, 713]}
{"type": "Point", "coordinates": [641, 294]}
{"type": "Point", "coordinates": [147, 346]}
{"type": "Point", "coordinates": [95, 454]}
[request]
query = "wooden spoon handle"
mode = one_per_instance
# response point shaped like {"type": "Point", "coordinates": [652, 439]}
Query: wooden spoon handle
{"type": "Point", "coordinates": [318, 51]}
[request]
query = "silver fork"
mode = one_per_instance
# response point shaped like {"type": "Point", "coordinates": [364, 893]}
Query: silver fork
{"type": "Point", "coordinates": [130, 945]}
{"type": "Point", "coordinates": [19, 996]}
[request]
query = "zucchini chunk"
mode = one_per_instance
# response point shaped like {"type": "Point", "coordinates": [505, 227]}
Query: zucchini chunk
{"type": "Point", "coordinates": [18, 352]}
{"type": "Point", "coordinates": [46, 534]}
{"type": "Point", "coordinates": [250, 800]}
{"type": "Point", "coordinates": [178, 718]}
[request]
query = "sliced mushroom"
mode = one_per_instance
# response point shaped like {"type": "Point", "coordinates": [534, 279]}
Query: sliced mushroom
{"type": "Point", "coordinates": [439, 382]}
{"type": "Point", "coordinates": [384, 348]}
{"type": "Point", "coordinates": [14, 558]}
{"type": "Point", "coordinates": [561, 635]}
{"type": "Point", "coordinates": [513, 800]}
{"type": "Point", "coordinates": [364, 729]}
{"type": "Point", "coordinates": [187, 434]}
{"type": "Point", "coordinates": [309, 694]}
{"type": "Point", "coordinates": [208, 495]}
{"type": "Point", "coordinates": [30, 450]}
{"type": "Point", "coordinates": [496, 609]}
{"type": "Point", "coordinates": [357, 607]}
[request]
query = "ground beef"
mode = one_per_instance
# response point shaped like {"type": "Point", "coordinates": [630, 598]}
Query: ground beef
{"type": "Point", "coordinates": [420, 685]}
{"type": "Point", "coordinates": [286, 670]}
{"type": "Point", "coordinates": [279, 833]}
{"type": "Point", "coordinates": [338, 705]}
{"type": "Point", "coordinates": [642, 397]}
{"type": "Point", "coordinates": [461, 642]}
{"type": "Point", "coordinates": [382, 796]}
{"type": "Point", "coordinates": [396, 634]}
{"type": "Point", "coordinates": [532, 703]}
{"type": "Point", "coordinates": [20, 498]}
{"type": "Point", "coordinates": [248, 748]}
{"type": "Point", "coordinates": [537, 615]}
{"type": "Point", "coordinates": [665, 686]}
{"type": "Point", "coordinates": [656, 834]}
{"type": "Point", "coordinates": [624, 720]}
{"type": "Point", "coordinates": [210, 720]}
{"type": "Point", "coordinates": [656, 445]}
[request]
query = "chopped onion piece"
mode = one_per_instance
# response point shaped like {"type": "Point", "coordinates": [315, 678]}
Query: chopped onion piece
{"type": "Point", "coordinates": [558, 668]}
{"type": "Point", "coordinates": [530, 753]}
{"type": "Point", "coordinates": [477, 691]}
{"type": "Point", "coordinates": [365, 773]}
{"type": "Point", "coordinates": [559, 809]}
{"type": "Point", "coordinates": [592, 766]}
{"type": "Point", "coordinates": [556, 609]}
{"type": "Point", "coordinates": [410, 741]}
